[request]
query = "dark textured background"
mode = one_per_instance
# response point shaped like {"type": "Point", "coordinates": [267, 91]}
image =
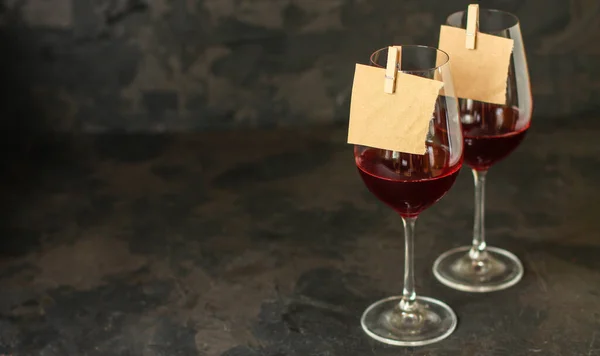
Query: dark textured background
{"type": "Point", "coordinates": [160, 65]}
{"type": "Point", "coordinates": [266, 242]}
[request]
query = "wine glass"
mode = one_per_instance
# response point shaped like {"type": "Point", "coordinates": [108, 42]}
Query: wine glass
{"type": "Point", "coordinates": [409, 184]}
{"type": "Point", "coordinates": [491, 132]}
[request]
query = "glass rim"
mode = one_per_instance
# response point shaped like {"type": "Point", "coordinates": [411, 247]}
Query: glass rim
{"type": "Point", "coordinates": [510, 14]}
{"type": "Point", "coordinates": [412, 46]}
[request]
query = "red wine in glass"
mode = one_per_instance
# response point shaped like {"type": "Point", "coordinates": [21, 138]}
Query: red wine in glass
{"type": "Point", "coordinates": [407, 183]}
{"type": "Point", "coordinates": [410, 183]}
{"type": "Point", "coordinates": [491, 132]}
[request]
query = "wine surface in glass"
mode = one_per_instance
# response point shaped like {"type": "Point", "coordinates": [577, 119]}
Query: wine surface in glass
{"type": "Point", "coordinates": [408, 183]}
{"type": "Point", "coordinates": [490, 134]}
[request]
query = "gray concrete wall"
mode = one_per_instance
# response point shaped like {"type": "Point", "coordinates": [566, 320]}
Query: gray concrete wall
{"type": "Point", "coordinates": [159, 65]}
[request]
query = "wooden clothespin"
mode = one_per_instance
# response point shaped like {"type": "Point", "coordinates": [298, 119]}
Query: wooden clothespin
{"type": "Point", "coordinates": [472, 25]}
{"type": "Point", "coordinates": [390, 70]}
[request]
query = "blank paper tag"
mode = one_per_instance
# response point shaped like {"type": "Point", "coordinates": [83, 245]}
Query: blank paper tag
{"type": "Point", "coordinates": [397, 122]}
{"type": "Point", "coordinates": [479, 74]}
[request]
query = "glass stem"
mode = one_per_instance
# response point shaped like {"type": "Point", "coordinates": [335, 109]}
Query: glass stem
{"type": "Point", "coordinates": [407, 303]}
{"type": "Point", "coordinates": [478, 251]}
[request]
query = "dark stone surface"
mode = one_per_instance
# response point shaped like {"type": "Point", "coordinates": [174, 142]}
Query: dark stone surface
{"type": "Point", "coordinates": [254, 243]}
{"type": "Point", "coordinates": [172, 65]}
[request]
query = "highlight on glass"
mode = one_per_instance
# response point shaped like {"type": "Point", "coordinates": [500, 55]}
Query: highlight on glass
{"type": "Point", "coordinates": [409, 184]}
{"type": "Point", "coordinates": [491, 132]}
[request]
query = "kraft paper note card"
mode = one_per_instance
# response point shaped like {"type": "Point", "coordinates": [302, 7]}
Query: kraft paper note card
{"type": "Point", "coordinates": [480, 73]}
{"type": "Point", "coordinates": [396, 121]}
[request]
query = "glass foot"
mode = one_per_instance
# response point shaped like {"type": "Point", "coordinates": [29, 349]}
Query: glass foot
{"type": "Point", "coordinates": [430, 321]}
{"type": "Point", "coordinates": [497, 270]}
